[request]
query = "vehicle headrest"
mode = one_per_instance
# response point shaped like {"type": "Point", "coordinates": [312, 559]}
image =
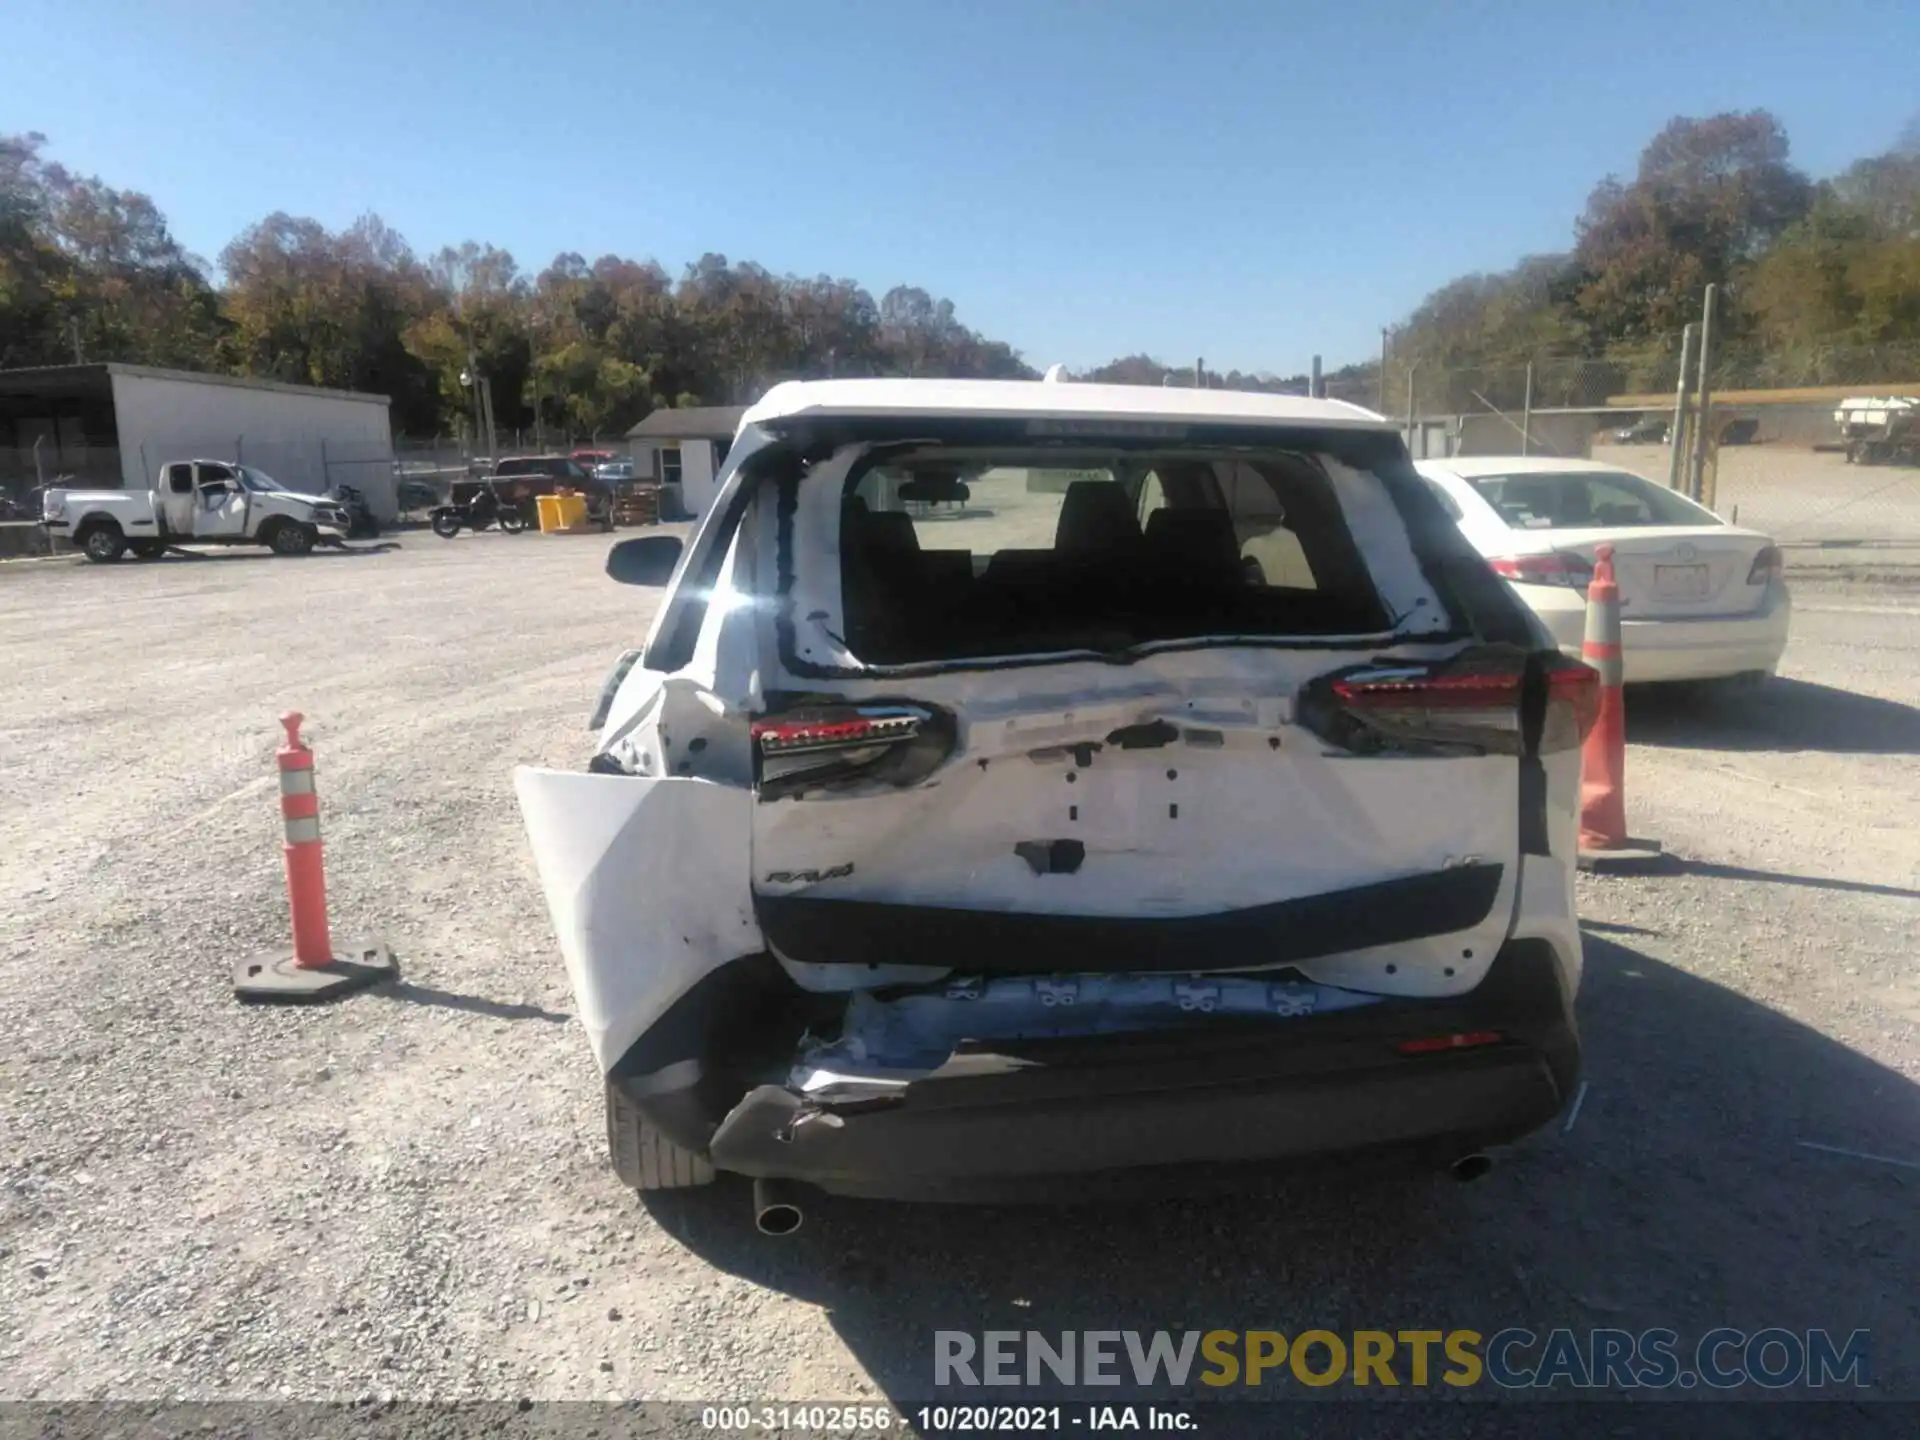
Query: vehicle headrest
{"type": "Point", "coordinates": [1095, 515]}
{"type": "Point", "coordinates": [1201, 539]}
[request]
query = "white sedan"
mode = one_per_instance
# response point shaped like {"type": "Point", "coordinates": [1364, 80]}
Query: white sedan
{"type": "Point", "coordinates": [1699, 599]}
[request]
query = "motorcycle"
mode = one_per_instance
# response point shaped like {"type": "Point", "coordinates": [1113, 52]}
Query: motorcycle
{"type": "Point", "coordinates": [482, 512]}
{"type": "Point", "coordinates": [361, 523]}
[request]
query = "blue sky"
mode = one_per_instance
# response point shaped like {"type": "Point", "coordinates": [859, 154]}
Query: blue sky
{"type": "Point", "coordinates": [1251, 182]}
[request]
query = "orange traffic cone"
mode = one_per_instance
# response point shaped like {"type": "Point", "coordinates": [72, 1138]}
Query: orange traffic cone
{"type": "Point", "coordinates": [1604, 843]}
{"type": "Point", "coordinates": [315, 968]}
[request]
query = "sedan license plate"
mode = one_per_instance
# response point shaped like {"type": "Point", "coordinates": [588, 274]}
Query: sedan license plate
{"type": "Point", "coordinates": [1680, 582]}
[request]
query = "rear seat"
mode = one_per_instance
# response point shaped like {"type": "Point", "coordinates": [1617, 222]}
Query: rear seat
{"type": "Point", "coordinates": [906, 596]}
{"type": "Point", "coordinates": [1195, 547]}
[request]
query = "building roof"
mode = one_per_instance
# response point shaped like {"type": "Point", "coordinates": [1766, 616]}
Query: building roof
{"type": "Point", "coordinates": [41, 379]}
{"type": "Point", "coordinates": [1018, 399]}
{"type": "Point", "coordinates": [691, 422]}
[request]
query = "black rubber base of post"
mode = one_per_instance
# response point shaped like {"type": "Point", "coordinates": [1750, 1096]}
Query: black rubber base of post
{"type": "Point", "coordinates": [1635, 857]}
{"type": "Point", "coordinates": [275, 978]}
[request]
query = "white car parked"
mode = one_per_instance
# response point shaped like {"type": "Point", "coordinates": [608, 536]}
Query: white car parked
{"type": "Point", "coordinates": [1026, 783]}
{"type": "Point", "coordinates": [1699, 599]}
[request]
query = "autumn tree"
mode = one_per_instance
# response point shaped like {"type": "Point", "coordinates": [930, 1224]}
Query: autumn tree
{"type": "Point", "coordinates": [1710, 195]}
{"type": "Point", "coordinates": [86, 267]}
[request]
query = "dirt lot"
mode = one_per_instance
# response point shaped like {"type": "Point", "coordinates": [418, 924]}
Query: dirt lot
{"type": "Point", "coordinates": [1798, 495]}
{"type": "Point", "coordinates": [407, 1193]}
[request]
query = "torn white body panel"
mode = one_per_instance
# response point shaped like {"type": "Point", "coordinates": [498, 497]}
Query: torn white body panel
{"type": "Point", "coordinates": [646, 881]}
{"type": "Point", "coordinates": [1243, 808]}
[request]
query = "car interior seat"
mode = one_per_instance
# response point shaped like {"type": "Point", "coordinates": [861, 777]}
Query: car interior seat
{"type": "Point", "coordinates": [1195, 546]}
{"type": "Point", "coordinates": [1096, 519]}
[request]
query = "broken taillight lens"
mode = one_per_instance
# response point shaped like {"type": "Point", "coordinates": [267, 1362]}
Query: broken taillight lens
{"type": "Point", "coordinates": [1468, 705]}
{"type": "Point", "coordinates": [835, 729]}
{"type": "Point", "coordinates": [825, 747]}
{"type": "Point", "coordinates": [1573, 704]}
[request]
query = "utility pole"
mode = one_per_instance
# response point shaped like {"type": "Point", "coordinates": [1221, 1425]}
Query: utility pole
{"type": "Point", "coordinates": [486, 402]}
{"type": "Point", "coordinates": [470, 378]}
{"type": "Point", "coordinates": [1703, 398]}
{"type": "Point", "coordinates": [1526, 415]}
{"type": "Point", "coordinates": [1410, 369]}
{"type": "Point", "coordinates": [1381, 407]}
{"type": "Point", "coordinates": [1316, 385]}
{"type": "Point", "coordinates": [1677, 432]}
{"type": "Point", "coordinates": [1200, 374]}
{"type": "Point", "coordinates": [74, 327]}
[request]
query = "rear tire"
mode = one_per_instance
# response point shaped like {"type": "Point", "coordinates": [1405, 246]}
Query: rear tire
{"type": "Point", "coordinates": [644, 1158]}
{"type": "Point", "coordinates": [104, 543]}
{"type": "Point", "coordinates": [512, 520]}
{"type": "Point", "coordinates": [446, 524]}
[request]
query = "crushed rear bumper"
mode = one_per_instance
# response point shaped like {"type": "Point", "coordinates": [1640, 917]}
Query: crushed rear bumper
{"type": "Point", "coordinates": [1083, 1112]}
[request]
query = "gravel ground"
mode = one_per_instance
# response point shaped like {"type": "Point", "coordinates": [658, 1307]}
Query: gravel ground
{"type": "Point", "coordinates": [406, 1193]}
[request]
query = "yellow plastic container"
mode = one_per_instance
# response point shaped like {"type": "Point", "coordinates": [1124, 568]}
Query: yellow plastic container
{"type": "Point", "coordinates": [548, 507]}
{"type": "Point", "coordinates": [572, 509]}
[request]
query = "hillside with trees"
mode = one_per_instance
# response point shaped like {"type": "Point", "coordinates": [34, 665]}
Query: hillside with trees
{"type": "Point", "coordinates": [1819, 282]}
{"type": "Point", "coordinates": [89, 270]}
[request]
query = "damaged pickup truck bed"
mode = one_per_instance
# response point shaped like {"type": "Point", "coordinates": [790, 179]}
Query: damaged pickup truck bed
{"type": "Point", "coordinates": [1028, 783]}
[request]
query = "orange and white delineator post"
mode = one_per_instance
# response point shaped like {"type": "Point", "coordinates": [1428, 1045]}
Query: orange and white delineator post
{"type": "Point", "coordinates": [306, 867]}
{"type": "Point", "coordinates": [314, 970]}
{"type": "Point", "coordinates": [1604, 844]}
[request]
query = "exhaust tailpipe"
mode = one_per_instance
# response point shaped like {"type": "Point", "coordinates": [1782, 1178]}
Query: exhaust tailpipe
{"type": "Point", "coordinates": [776, 1207]}
{"type": "Point", "coordinates": [1471, 1167]}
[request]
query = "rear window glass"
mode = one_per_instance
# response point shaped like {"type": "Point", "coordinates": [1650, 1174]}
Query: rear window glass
{"type": "Point", "coordinates": [1447, 502]}
{"type": "Point", "coordinates": [1586, 500]}
{"type": "Point", "coordinates": [951, 555]}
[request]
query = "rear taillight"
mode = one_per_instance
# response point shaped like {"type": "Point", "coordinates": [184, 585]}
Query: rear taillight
{"type": "Point", "coordinates": [1573, 704]}
{"type": "Point", "coordinates": [1469, 705]}
{"type": "Point", "coordinates": [1459, 1040]}
{"type": "Point", "coordinates": [835, 730]}
{"type": "Point", "coordinates": [1767, 566]}
{"type": "Point", "coordinates": [1553, 568]}
{"type": "Point", "coordinates": [830, 746]}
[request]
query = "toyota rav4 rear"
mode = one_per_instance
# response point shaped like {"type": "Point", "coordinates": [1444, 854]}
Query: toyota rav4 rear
{"type": "Point", "coordinates": [1027, 783]}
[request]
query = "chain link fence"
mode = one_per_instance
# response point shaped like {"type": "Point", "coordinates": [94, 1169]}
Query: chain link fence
{"type": "Point", "coordinates": [1779, 459]}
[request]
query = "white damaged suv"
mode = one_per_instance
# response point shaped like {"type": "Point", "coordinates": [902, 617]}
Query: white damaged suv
{"type": "Point", "coordinates": [1025, 784]}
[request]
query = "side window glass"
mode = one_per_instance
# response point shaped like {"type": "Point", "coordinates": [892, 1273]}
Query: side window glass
{"type": "Point", "coordinates": [688, 599]}
{"type": "Point", "coordinates": [180, 479]}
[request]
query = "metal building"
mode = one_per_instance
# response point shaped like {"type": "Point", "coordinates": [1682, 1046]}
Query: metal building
{"type": "Point", "coordinates": [116, 425]}
{"type": "Point", "coordinates": [684, 450]}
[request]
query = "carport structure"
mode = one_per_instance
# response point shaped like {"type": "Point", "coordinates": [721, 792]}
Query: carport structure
{"type": "Point", "coordinates": [115, 425]}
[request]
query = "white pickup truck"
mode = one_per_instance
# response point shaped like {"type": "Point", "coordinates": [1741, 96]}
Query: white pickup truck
{"type": "Point", "coordinates": [199, 502]}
